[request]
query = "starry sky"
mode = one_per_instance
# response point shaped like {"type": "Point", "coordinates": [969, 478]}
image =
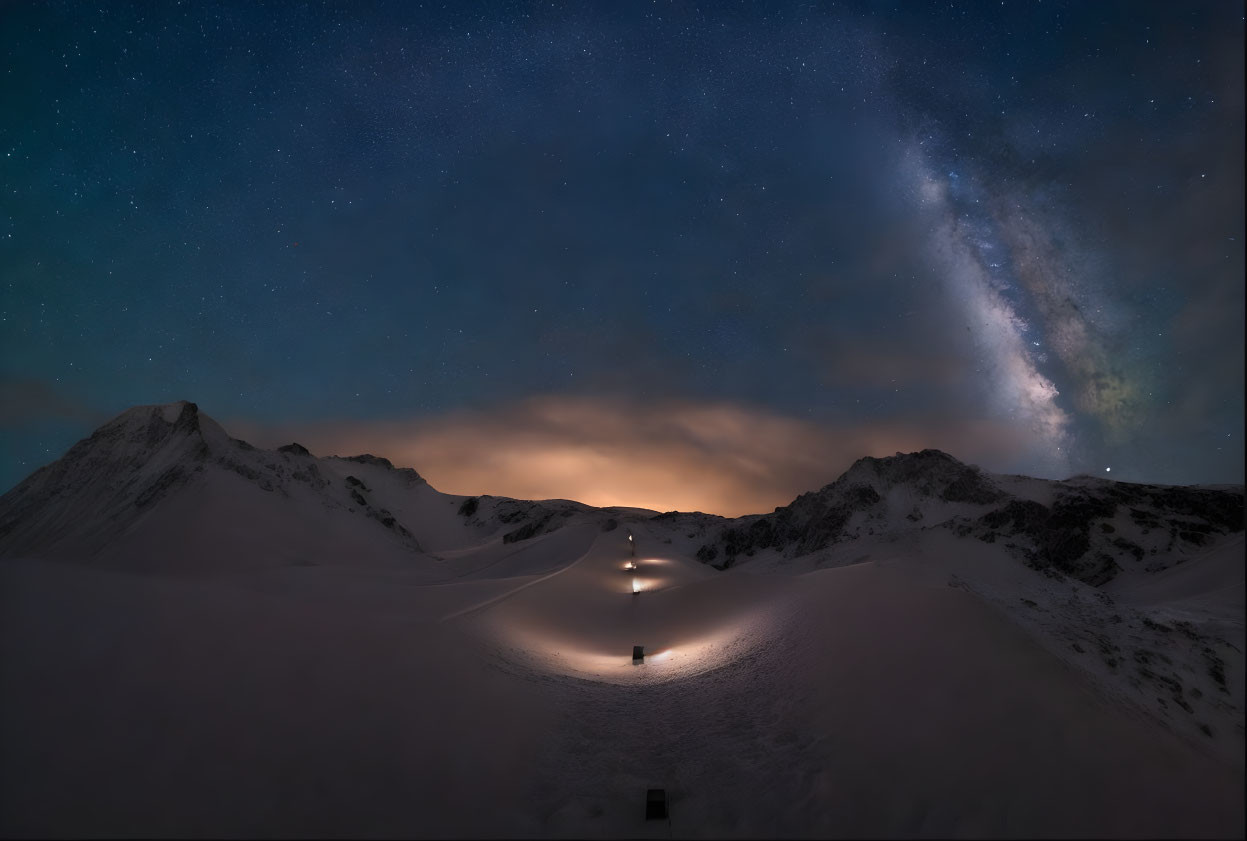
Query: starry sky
{"type": "Point", "coordinates": [652, 254]}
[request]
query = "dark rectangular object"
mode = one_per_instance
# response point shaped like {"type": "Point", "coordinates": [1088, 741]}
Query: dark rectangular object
{"type": "Point", "coordinates": [638, 654]}
{"type": "Point", "coordinates": [656, 804]}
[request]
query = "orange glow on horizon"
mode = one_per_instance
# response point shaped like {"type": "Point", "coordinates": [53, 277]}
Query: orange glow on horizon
{"type": "Point", "coordinates": [673, 455]}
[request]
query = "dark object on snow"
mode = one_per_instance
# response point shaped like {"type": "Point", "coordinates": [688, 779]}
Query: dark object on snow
{"type": "Point", "coordinates": [638, 654]}
{"type": "Point", "coordinates": [297, 449]}
{"type": "Point", "coordinates": [656, 804]}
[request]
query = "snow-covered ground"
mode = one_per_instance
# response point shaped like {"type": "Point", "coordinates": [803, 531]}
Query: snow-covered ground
{"type": "Point", "coordinates": [242, 661]}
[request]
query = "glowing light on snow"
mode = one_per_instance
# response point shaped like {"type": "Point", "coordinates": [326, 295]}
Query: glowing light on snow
{"type": "Point", "coordinates": [636, 585]}
{"type": "Point", "coordinates": [629, 565]}
{"type": "Point", "coordinates": [729, 638]}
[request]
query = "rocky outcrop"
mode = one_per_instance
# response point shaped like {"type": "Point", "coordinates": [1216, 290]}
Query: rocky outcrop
{"type": "Point", "coordinates": [521, 519]}
{"type": "Point", "coordinates": [409, 476]}
{"type": "Point", "coordinates": [369, 458]}
{"type": "Point", "coordinates": [1073, 534]}
{"type": "Point", "coordinates": [855, 505]}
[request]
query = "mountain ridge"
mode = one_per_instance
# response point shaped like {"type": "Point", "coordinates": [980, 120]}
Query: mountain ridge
{"type": "Point", "coordinates": [1088, 528]}
{"type": "Point", "coordinates": [1074, 526]}
{"type": "Point", "coordinates": [102, 491]}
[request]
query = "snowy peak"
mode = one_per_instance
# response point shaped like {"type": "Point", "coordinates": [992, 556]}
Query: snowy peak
{"type": "Point", "coordinates": [104, 481]}
{"type": "Point", "coordinates": [875, 496]}
{"type": "Point", "coordinates": [1089, 529]}
{"type": "Point", "coordinates": [165, 487]}
{"type": "Point", "coordinates": [140, 451]}
{"type": "Point", "coordinates": [150, 430]}
{"type": "Point", "coordinates": [107, 483]}
{"type": "Point", "coordinates": [928, 473]}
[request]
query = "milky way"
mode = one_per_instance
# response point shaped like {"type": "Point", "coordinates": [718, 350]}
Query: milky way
{"type": "Point", "coordinates": [1014, 231]}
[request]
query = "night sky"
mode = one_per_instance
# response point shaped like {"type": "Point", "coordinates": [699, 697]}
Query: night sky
{"type": "Point", "coordinates": [632, 253]}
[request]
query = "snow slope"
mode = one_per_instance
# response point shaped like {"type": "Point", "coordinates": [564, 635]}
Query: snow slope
{"type": "Point", "coordinates": [206, 656]}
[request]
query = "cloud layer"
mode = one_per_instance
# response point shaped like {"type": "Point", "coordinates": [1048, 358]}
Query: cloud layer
{"type": "Point", "coordinates": [721, 458]}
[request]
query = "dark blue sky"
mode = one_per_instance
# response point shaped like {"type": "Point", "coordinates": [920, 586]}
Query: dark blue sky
{"type": "Point", "coordinates": [861, 216]}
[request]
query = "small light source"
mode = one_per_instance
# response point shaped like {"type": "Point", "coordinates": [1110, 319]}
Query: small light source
{"type": "Point", "coordinates": [629, 565]}
{"type": "Point", "coordinates": [636, 585]}
{"type": "Point", "coordinates": [629, 537]}
{"type": "Point", "coordinates": [656, 804]}
{"type": "Point", "coordinates": [638, 655]}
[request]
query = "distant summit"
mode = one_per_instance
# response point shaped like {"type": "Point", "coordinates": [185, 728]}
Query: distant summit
{"type": "Point", "coordinates": [1089, 530]}
{"type": "Point", "coordinates": [930, 473]}
{"type": "Point", "coordinates": [164, 487]}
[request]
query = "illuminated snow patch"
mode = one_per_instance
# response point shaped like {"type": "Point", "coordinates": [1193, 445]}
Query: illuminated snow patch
{"type": "Point", "coordinates": [677, 657]}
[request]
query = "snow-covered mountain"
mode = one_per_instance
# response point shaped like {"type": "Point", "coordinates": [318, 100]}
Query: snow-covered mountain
{"type": "Point", "coordinates": [1087, 528]}
{"type": "Point", "coordinates": [201, 637]}
{"type": "Point", "coordinates": [225, 505]}
{"type": "Point", "coordinates": [1138, 586]}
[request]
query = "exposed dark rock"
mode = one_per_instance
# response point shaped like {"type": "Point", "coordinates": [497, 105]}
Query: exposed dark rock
{"type": "Point", "coordinates": [309, 474]}
{"type": "Point", "coordinates": [368, 458]}
{"type": "Point", "coordinates": [513, 515]}
{"type": "Point", "coordinates": [294, 449]}
{"type": "Point", "coordinates": [469, 506]}
{"type": "Point", "coordinates": [1126, 546]}
{"type": "Point", "coordinates": [971, 487]}
{"type": "Point", "coordinates": [1216, 669]}
{"type": "Point", "coordinates": [409, 476]}
{"type": "Point", "coordinates": [1065, 538]}
{"type": "Point", "coordinates": [388, 520]}
{"type": "Point", "coordinates": [259, 479]}
{"type": "Point", "coordinates": [169, 479]}
{"type": "Point", "coordinates": [1060, 535]}
{"type": "Point", "coordinates": [528, 530]}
